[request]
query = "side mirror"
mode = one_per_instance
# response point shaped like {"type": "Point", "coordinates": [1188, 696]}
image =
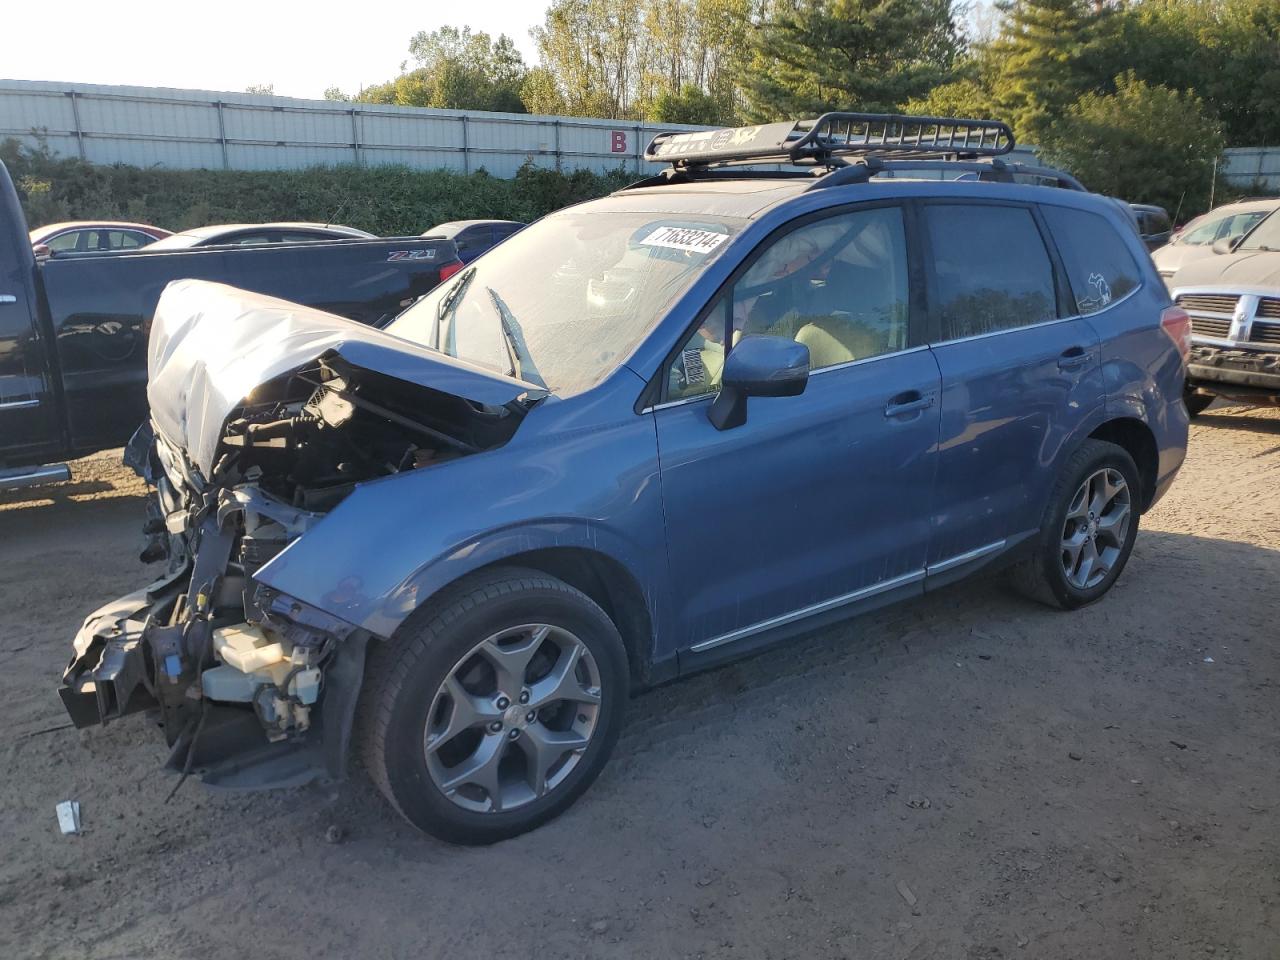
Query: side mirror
{"type": "Point", "coordinates": [1225, 244]}
{"type": "Point", "coordinates": [758, 366]}
{"type": "Point", "coordinates": [41, 251]}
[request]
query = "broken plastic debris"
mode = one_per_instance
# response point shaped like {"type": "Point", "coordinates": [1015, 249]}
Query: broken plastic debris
{"type": "Point", "coordinates": [1208, 659]}
{"type": "Point", "coordinates": [69, 816]}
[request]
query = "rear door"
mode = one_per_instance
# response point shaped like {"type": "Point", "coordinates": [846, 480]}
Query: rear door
{"type": "Point", "coordinates": [817, 501]}
{"type": "Point", "coordinates": [1020, 373]}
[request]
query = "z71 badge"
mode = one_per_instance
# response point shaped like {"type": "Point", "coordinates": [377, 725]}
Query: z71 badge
{"type": "Point", "coordinates": [411, 255]}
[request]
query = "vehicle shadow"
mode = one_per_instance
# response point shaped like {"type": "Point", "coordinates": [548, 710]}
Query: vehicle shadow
{"type": "Point", "coordinates": [878, 666]}
{"type": "Point", "coordinates": [1239, 417]}
{"type": "Point", "coordinates": [55, 494]}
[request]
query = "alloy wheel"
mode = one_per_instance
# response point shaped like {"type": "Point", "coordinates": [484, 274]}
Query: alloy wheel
{"type": "Point", "coordinates": [513, 718]}
{"type": "Point", "coordinates": [1097, 523]}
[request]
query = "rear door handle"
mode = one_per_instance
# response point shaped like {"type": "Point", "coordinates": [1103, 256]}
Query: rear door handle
{"type": "Point", "coordinates": [8, 298]}
{"type": "Point", "coordinates": [908, 402]}
{"type": "Point", "coordinates": [1072, 358]}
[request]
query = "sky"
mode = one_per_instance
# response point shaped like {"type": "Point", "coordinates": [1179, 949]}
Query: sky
{"type": "Point", "coordinates": [300, 48]}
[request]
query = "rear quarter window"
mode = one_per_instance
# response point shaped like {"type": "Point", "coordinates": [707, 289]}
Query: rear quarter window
{"type": "Point", "coordinates": [1099, 266]}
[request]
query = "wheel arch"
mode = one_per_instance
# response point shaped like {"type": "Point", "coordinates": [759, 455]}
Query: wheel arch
{"type": "Point", "coordinates": [1137, 439]}
{"type": "Point", "coordinates": [608, 583]}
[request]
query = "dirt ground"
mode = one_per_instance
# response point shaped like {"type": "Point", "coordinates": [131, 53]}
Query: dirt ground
{"type": "Point", "coordinates": [970, 776]}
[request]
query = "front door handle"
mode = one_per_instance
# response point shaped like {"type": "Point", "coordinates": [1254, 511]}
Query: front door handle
{"type": "Point", "coordinates": [1072, 358]}
{"type": "Point", "coordinates": [908, 402]}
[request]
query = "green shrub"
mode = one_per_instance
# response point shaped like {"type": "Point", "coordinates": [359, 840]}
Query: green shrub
{"type": "Point", "coordinates": [388, 201]}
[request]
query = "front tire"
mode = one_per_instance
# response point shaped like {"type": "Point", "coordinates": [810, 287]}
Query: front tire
{"type": "Point", "coordinates": [495, 707]}
{"type": "Point", "coordinates": [1088, 530]}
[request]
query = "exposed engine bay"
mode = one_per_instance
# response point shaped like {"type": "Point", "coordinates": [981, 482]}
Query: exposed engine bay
{"type": "Point", "coordinates": [309, 437]}
{"type": "Point", "coordinates": [251, 687]}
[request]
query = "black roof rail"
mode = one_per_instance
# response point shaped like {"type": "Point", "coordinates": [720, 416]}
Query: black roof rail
{"type": "Point", "coordinates": [825, 140]}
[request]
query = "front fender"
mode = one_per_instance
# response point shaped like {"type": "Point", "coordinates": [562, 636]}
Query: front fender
{"type": "Point", "coordinates": [393, 543]}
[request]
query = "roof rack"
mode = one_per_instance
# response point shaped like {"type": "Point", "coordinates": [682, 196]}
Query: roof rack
{"type": "Point", "coordinates": [830, 137]}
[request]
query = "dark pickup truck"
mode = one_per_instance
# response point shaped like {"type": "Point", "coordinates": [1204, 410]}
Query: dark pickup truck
{"type": "Point", "coordinates": [73, 329]}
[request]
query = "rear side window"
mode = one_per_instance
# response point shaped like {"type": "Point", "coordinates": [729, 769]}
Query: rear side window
{"type": "Point", "coordinates": [991, 269]}
{"type": "Point", "coordinates": [1100, 267]}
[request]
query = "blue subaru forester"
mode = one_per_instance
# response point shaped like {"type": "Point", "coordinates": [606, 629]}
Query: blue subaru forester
{"type": "Point", "coordinates": [647, 434]}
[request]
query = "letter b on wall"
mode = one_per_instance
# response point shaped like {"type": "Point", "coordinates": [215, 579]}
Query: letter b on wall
{"type": "Point", "coordinates": [618, 141]}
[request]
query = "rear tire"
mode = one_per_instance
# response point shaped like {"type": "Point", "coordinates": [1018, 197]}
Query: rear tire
{"type": "Point", "coordinates": [461, 756]}
{"type": "Point", "coordinates": [1197, 403]}
{"type": "Point", "coordinates": [1088, 530]}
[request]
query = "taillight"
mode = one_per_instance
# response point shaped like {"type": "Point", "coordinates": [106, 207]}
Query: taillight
{"type": "Point", "coordinates": [449, 269]}
{"type": "Point", "coordinates": [1176, 322]}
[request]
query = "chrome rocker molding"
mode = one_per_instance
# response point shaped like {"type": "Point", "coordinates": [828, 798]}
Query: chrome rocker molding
{"type": "Point", "coordinates": [33, 476]}
{"type": "Point", "coordinates": [876, 588]}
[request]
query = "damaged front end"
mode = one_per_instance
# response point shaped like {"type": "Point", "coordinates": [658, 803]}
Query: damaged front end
{"type": "Point", "coordinates": [254, 688]}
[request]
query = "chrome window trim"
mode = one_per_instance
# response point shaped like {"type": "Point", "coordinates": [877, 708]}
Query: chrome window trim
{"type": "Point", "coordinates": [862, 360]}
{"type": "Point", "coordinates": [1043, 323]}
{"type": "Point", "coordinates": [18, 404]}
{"type": "Point", "coordinates": [812, 373]}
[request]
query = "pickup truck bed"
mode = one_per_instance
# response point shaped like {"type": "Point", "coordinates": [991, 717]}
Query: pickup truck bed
{"type": "Point", "coordinates": [73, 330]}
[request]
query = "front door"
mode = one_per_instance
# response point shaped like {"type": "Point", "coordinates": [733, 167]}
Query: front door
{"type": "Point", "coordinates": [820, 500]}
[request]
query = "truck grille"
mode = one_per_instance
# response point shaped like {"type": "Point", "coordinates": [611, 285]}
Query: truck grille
{"type": "Point", "coordinates": [1210, 302]}
{"type": "Point", "coordinates": [1210, 326]}
{"type": "Point", "coordinates": [1269, 307]}
{"type": "Point", "coordinates": [1265, 333]}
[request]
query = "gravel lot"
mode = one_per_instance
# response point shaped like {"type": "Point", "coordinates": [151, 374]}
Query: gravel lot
{"type": "Point", "coordinates": [970, 776]}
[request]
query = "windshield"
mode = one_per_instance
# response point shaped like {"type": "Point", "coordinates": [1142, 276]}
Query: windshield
{"type": "Point", "coordinates": [1265, 236]}
{"type": "Point", "coordinates": [1204, 230]}
{"type": "Point", "coordinates": [564, 300]}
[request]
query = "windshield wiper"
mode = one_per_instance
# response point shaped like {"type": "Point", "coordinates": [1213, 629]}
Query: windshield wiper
{"type": "Point", "coordinates": [448, 302]}
{"type": "Point", "coordinates": [522, 366]}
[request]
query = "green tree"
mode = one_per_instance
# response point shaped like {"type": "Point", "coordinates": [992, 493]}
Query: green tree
{"type": "Point", "coordinates": [618, 58]}
{"type": "Point", "coordinates": [591, 48]}
{"type": "Point", "coordinates": [816, 55]}
{"type": "Point", "coordinates": [1227, 51]}
{"type": "Point", "coordinates": [1143, 143]}
{"type": "Point", "coordinates": [1044, 50]}
{"type": "Point", "coordinates": [455, 69]}
{"type": "Point", "coordinates": [690, 105]}
{"type": "Point", "coordinates": [540, 92]}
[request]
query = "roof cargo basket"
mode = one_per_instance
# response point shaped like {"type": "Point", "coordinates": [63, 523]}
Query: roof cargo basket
{"type": "Point", "coordinates": [830, 137]}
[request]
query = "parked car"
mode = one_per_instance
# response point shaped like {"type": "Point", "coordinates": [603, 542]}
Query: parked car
{"type": "Point", "coordinates": [1195, 241]}
{"type": "Point", "coordinates": [474, 237]}
{"type": "Point", "coordinates": [1154, 225]}
{"type": "Point", "coordinates": [85, 236]}
{"type": "Point", "coordinates": [73, 328]}
{"type": "Point", "coordinates": [647, 434]}
{"type": "Point", "coordinates": [246, 234]}
{"type": "Point", "coordinates": [1233, 298]}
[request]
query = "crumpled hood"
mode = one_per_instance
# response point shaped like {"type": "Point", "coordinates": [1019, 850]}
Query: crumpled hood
{"type": "Point", "coordinates": [1248, 268]}
{"type": "Point", "coordinates": [212, 344]}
